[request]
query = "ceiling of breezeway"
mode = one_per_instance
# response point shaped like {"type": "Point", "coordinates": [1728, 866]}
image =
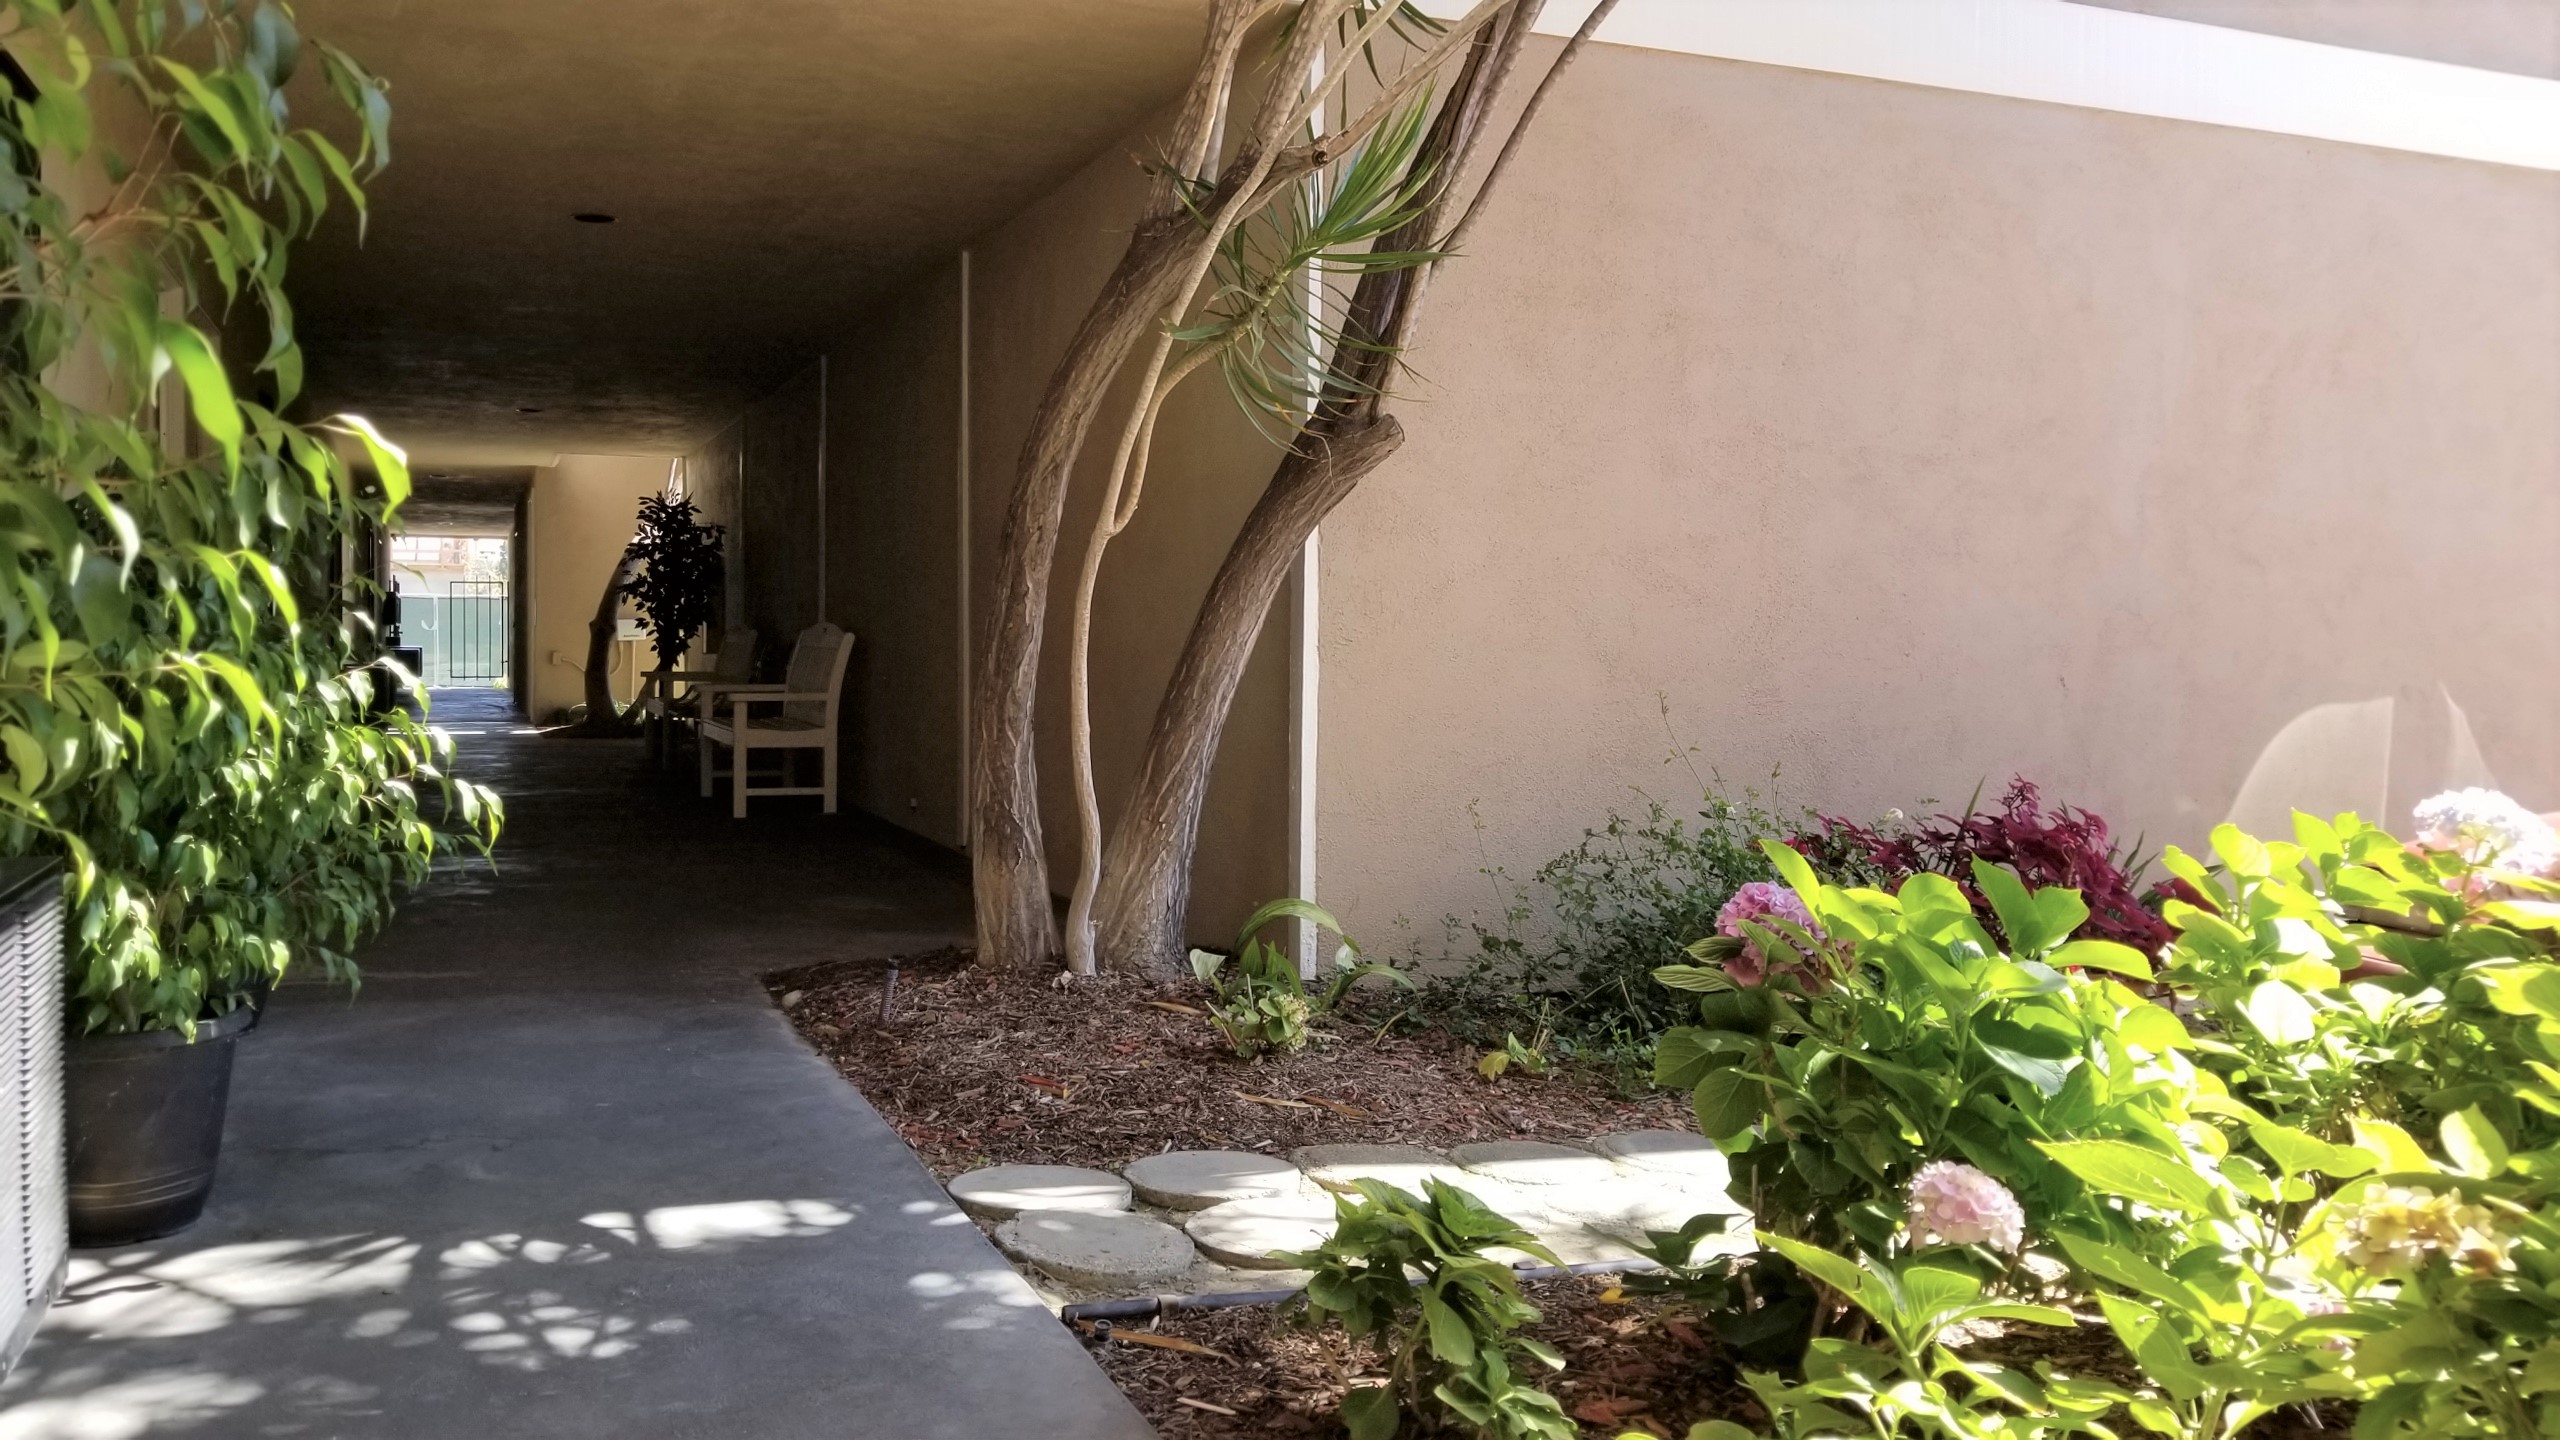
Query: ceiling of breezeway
{"type": "Point", "coordinates": [770, 168]}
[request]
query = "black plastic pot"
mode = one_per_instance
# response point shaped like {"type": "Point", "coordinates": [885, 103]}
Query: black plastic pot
{"type": "Point", "coordinates": [145, 1123]}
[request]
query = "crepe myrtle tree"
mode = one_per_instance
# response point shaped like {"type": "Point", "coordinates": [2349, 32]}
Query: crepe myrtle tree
{"type": "Point", "coordinates": [1216, 273]}
{"type": "Point", "coordinates": [187, 662]}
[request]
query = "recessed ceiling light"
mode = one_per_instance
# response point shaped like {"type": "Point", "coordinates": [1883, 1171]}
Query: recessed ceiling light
{"type": "Point", "coordinates": [592, 217]}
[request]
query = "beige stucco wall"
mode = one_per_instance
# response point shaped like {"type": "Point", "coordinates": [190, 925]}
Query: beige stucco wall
{"type": "Point", "coordinates": [1902, 438]}
{"type": "Point", "coordinates": [578, 518]}
{"type": "Point", "coordinates": [893, 553]}
{"type": "Point", "coordinates": [2522, 36]}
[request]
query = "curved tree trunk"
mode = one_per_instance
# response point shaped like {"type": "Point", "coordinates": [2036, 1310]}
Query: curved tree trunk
{"type": "Point", "coordinates": [603, 717]}
{"type": "Point", "coordinates": [1146, 889]}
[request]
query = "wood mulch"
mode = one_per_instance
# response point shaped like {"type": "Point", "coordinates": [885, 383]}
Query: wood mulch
{"type": "Point", "coordinates": [977, 1068]}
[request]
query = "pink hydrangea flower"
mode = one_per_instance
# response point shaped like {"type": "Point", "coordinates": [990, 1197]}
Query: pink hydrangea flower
{"type": "Point", "coordinates": [1760, 900]}
{"type": "Point", "coordinates": [1953, 1204]}
{"type": "Point", "coordinates": [2488, 827]}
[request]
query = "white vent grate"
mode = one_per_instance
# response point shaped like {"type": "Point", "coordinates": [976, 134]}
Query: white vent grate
{"type": "Point", "coordinates": [33, 1229]}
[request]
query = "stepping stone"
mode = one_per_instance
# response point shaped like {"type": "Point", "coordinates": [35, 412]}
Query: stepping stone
{"type": "Point", "coordinates": [1403, 1166]}
{"type": "Point", "coordinates": [1533, 1162]}
{"type": "Point", "coordinates": [1001, 1192]}
{"type": "Point", "coordinates": [1244, 1233]}
{"type": "Point", "coordinates": [1108, 1251]}
{"type": "Point", "coordinates": [1198, 1179]}
{"type": "Point", "coordinates": [1668, 1152]}
{"type": "Point", "coordinates": [1631, 1205]}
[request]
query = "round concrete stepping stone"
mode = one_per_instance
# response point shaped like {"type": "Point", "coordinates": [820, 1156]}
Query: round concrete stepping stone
{"type": "Point", "coordinates": [1001, 1192]}
{"type": "Point", "coordinates": [1107, 1251]}
{"type": "Point", "coordinates": [1198, 1179]}
{"type": "Point", "coordinates": [1668, 1152]}
{"type": "Point", "coordinates": [1533, 1162]}
{"type": "Point", "coordinates": [1403, 1166]}
{"type": "Point", "coordinates": [1633, 1204]}
{"type": "Point", "coordinates": [1244, 1233]}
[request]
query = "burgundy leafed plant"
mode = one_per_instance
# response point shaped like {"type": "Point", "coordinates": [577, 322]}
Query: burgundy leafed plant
{"type": "Point", "coordinates": [2062, 846]}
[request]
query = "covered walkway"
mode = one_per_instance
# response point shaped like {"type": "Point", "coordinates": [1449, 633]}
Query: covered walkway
{"type": "Point", "coordinates": [562, 1170]}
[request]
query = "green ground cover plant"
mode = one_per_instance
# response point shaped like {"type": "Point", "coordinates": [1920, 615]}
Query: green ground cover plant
{"type": "Point", "coordinates": [1412, 1272]}
{"type": "Point", "coordinates": [187, 665]}
{"type": "Point", "coordinates": [1258, 1001]}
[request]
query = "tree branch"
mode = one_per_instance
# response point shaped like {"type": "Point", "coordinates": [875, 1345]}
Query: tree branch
{"type": "Point", "coordinates": [1520, 127]}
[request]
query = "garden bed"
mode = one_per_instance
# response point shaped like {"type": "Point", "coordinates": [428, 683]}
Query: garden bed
{"type": "Point", "coordinates": [979, 1068]}
{"type": "Point", "coordinates": [1633, 1363]}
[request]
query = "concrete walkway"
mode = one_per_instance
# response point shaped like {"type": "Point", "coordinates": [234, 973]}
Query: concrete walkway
{"type": "Point", "coordinates": [562, 1171]}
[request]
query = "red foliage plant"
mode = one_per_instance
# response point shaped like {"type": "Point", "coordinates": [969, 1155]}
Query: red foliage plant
{"type": "Point", "coordinates": [2062, 846]}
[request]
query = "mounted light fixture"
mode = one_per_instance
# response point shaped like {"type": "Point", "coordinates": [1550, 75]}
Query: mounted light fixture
{"type": "Point", "coordinates": [528, 409]}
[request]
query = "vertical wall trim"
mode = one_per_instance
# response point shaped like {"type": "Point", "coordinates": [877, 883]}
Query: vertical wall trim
{"type": "Point", "coordinates": [822, 488]}
{"type": "Point", "coordinates": [1302, 651]}
{"type": "Point", "coordinates": [967, 627]}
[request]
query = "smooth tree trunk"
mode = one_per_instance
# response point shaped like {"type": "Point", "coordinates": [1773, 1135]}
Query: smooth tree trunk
{"type": "Point", "coordinates": [1146, 887]}
{"type": "Point", "coordinates": [603, 718]}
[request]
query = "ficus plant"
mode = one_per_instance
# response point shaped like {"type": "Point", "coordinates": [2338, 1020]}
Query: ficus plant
{"type": "Point", "coordinates": [187, 669]}
{"type": "Point", "coordinates": [677, 587]}
{"type": "Point", "coordinates": [1411, 1271]}
{"type": "Point", "coordinates": [1259, 1002]}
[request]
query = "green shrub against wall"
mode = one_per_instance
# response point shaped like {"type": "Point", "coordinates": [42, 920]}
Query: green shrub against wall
{"type": "Point", "coordinates": [185, 706]}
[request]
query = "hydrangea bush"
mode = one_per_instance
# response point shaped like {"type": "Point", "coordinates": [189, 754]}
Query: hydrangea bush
{"type": "Point", "coordinates": [2314, 1166]}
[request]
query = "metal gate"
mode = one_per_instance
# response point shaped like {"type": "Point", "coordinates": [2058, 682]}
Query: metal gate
{"type": "Point", "coordinates": [475, 631]}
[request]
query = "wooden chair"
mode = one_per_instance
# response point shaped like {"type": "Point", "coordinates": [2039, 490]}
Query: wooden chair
{"type": "Point", "coordinates": [662, 709]}
{"type": "Point", "coordinates": [807, 697]}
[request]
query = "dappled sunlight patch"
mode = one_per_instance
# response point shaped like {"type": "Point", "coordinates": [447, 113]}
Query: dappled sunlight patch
{"type": "Point", "coordinates": [471, 1256]}
{"type": "Point", "coordinates": [144, 1297]}
{"type": "Point", "coordinates": [128, 1409]}
{"type": "Point", "coordinates": [972, 1300]}
{"type": "Point", "coordinates": [943, 1212]}
{"type": "Point", "coordinates": [697, 1227]}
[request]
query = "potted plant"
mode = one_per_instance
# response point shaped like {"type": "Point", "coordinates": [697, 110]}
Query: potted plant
{"type": "Point", "coordinates": [184, 678]}
{"type": "Point", "coordinates": [677, 589]}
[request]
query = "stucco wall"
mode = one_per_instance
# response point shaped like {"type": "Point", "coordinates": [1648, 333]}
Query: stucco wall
{"type": "Point", "coordinates": [712, 480]}
{"type": "Point", "coordinates": [782, 517]}
{"type": "Point", "coordinates": [1903, 438]}
{"type": "Point", "coordinates": [893, 548]}
{"type": "Point", "coordinates": [579, 516]}
{"type": "Point", "coordinates": [2521, 36]}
